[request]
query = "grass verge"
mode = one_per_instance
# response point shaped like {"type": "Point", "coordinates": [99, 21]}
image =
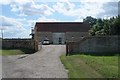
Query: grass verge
{"type": "Point", "coordinates": [15, 51]}
{"type": "Point", "coordinates": [86, 66]}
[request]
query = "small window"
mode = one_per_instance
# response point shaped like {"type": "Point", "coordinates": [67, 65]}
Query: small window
{"type": "Point", "coordinates": [82, 36]}
{"type": "Point", "coordinates": [72, 37]}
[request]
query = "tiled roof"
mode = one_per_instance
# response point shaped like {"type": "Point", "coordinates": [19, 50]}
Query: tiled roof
{"type": "Point", "coordinates": [62, 27]}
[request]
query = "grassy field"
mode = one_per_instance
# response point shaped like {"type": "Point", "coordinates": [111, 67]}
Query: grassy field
{"type": "Point", "coordinates": [15, 51]}
{"type": "Point", "coordinates": [86, 66]}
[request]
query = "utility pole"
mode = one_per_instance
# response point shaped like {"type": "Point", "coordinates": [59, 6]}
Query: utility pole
{"type": "Point", "coordinates": [2, 29]}
{"type": "Point", "coordinates": [2, 33]}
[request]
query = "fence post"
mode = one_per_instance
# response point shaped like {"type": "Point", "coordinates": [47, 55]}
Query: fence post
{"type": "Point", "coordinates": [67, 49]}
{"type": "Point", "coordinates": [36, 45]}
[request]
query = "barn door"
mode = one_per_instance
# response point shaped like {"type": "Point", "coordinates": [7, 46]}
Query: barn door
{"type": "Point", "coordinates": [58, 38]}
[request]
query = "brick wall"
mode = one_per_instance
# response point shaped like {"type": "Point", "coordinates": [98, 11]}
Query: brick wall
{"type": "Point", "coordinates": [99, 44]}
{"type": "Point", "coordinates": [20, 43]}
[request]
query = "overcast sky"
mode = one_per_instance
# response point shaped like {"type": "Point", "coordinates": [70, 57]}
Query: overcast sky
{"type": "Point", "coordinates": [18, 16]}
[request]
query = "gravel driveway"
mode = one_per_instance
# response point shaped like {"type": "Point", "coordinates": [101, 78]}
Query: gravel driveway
{"type": "Point", "coordinates": [42, 64]}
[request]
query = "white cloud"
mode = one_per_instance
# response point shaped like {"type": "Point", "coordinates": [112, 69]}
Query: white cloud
{"type": "Point", "coordinates": [20, 2]}
{"type": "Point", "coordinates": [32, 9]}
{"type": "Point", "coordinates": [78, 20]}
{"type": "Point", "coordinates": [42, 19]}
{"type": "Point", "coordinates": [28, 7]}
{"type": "Point", "coordinates": [63, 7]}
{"type": "Point", "coordinates": [22, 15]}
{"type": "Point", "coordinates": [88, 8]}
{"type": "Point", "coordinates": [15, 7]}
{"type": "Point", "coordinates": [100, 1]}
{"type": "Point", "coordinates": [110, 10]}
{"type": "Point", "coordinates": [13, 28]}
{"type": "Point", "coordinates": [44, 8]}
{"type": "Point", "coordinates": [10, 22]}
{"type": "Point", "coordinates": [92, 8]}
{"type": "Point", "coordinates": [5, 2]}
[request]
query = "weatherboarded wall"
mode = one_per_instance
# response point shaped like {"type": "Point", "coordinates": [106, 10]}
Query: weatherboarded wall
{"type": "Point", "coordinates": [20, 43]}
{"type": "Point", "coordinates": [99, 44]}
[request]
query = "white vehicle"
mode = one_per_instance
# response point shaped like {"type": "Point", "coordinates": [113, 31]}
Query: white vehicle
{"type": "Point", "coordinates": [46, 42]}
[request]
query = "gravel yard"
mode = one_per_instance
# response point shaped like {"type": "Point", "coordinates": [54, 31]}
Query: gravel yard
{"type": "Point", "coordinates": [42, 64]}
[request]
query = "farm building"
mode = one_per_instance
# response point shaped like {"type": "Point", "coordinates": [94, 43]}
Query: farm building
{"type": "Point", "coordinates": [60, 32]}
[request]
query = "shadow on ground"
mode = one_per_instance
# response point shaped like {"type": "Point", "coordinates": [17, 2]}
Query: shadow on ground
{"type": "Point", "coordinates": [96, 54]}
{"type": "Point", "coordinates": [26, 51]}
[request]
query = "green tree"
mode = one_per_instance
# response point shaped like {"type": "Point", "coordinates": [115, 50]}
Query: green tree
{"type": "Point", "coordinates": [90, 20]}
{"type": "Point", "coordinates": [106, 27]}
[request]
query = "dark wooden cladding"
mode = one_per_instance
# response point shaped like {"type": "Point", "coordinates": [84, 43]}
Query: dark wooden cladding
{"type": "Point", "coordinates": [62, 27]}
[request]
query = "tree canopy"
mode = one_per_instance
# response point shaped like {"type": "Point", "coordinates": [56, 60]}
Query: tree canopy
{"type": "Point", "coordinates": [104, 26]}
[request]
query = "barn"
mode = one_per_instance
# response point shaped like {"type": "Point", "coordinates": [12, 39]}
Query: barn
{"type": "Point", "coordinates": [60, 32]}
